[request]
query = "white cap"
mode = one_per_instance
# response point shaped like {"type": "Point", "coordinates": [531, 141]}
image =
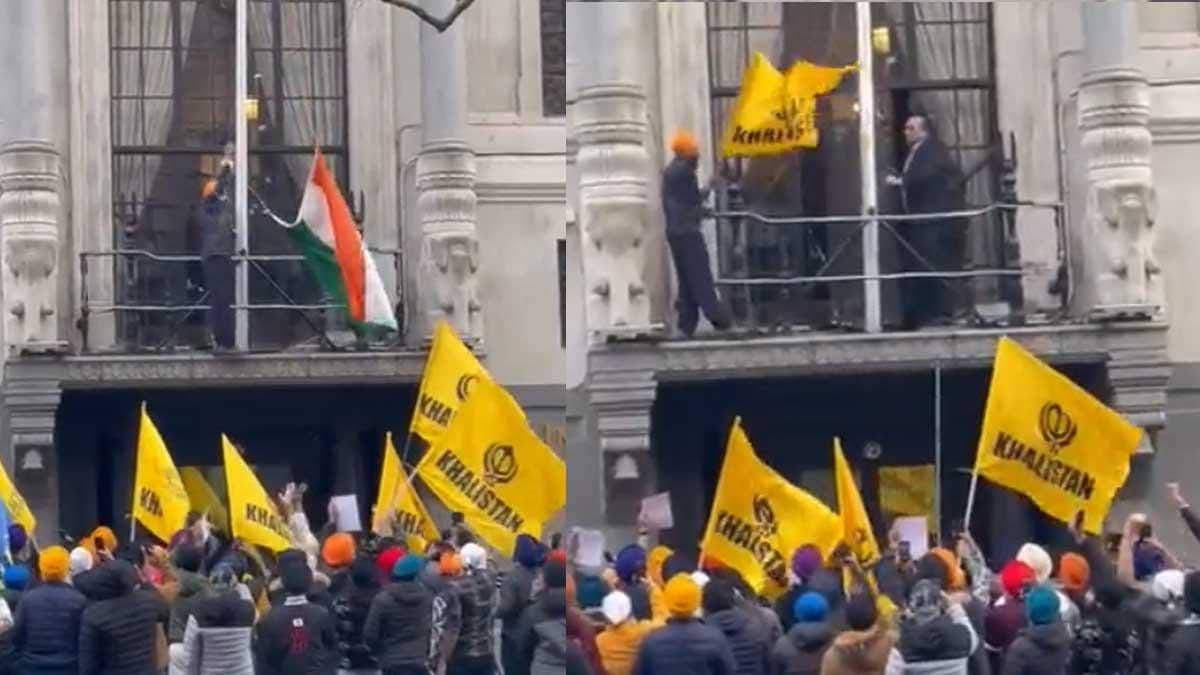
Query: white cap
{"type": "Point", "coordinates": [616, 607]}
{"type": "Point", "coordinates": [81, 560]}
{"type": "Point", "coordinates": [474, 556]}
{"type": "Point", "coordinates": [1167, 586]}
{"type": "Point", "coordinates": [1036, 557]}
{"type": "Point", "coordinates": [700, 578]}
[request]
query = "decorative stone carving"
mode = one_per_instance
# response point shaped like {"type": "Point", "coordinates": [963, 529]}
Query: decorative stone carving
{"type": "Point", "coordinates": [450, 248]}
{"type": "Point", "coordinates": [610, 126]}
{"type": "Point", "coordinates": [29, 208]}
{"type": "Point", "coordinates": [1114, 118]}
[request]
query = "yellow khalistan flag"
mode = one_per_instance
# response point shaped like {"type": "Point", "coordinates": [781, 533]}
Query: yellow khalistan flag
{"type": "Point", "coordinates": [775, 113]}
{"type": "Point", "coordinates": [758, 519]}
{"type": "Point", "coordinates": [493, 468]}
{"type": "Point", "coordinates": [397, 493]}
{"type": "Point", "coordinates": [204, 498]}
{"type": "Point", "coordinates": [18, 508]}
{"type": "Point", "coordinates": [1047, 438]}
{"type": "Point", "coordinates": [160, 502]}
{"type": "Point", "coordinates": [856, 525]}
{"type": "Point", "coordinates": [451, 374]}
{"type": "Point", "coordinates": [252, 514]}
{"type": "Point", "coordinates": [908, 491]}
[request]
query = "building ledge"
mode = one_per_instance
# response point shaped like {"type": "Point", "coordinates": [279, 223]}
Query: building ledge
{"type": "Point", "coordinates": [192, 369]}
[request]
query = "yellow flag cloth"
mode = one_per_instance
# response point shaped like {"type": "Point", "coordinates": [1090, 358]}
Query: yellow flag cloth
{"type": "Point", "coordinates": [1047, 438]}
{"type": "Point", "coordinates": [493, 468]}
{"type": "Point", "coordinates": [397, 494]}
{"type": "Point", "coordinates": [18, 508]}
{"type": "Point", "coordinates": [204, 498]}
{"type": "Point", "coordinates": [856, 525]}
{"type": "Point", "coordinates": [451, 373]}
{"type": "Point", "coordinates": [776, 113]}
{"type": "Point", "coordinates": [253, 515]}
{"type": "Point", "coordinates": [759, 519]}
{"type": "Point", "coordinates": [907, 490]}
{"type": "Point", "coordinates": [160, 502]}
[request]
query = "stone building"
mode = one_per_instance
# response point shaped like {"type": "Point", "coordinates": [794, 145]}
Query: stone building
{"type": "Point", "coordinates": [448, 146]}
{"type": "Point", "coordinates": [1081, 113]}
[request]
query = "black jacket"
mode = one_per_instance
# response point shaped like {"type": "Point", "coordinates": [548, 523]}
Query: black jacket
{"type": "Point", "coordinates": [801, 650]}
{"type": "Point", "coordinates": [945, 638]}
{"type": "Point", "coordinates": [226, 609]}
{"type": "Point", "coordinates": [296, 637]}
{"type": "Point", "coordinates": [750, 645]}
{"type": "Point", "coordinates": [549, 605]}
{"type": "Point", "coordinates": [1182, 656]}
{"type": "Point", "coordinates": [685, 647]}
{"type": "Point", "coordinates": [1040, 650]}
{"type": "Point", "coordinates": [932, 179]}
{"type": "Point", "coordinates": [117, 631]}
{"type": "Point", "coordinates": [351, 608]}
{"type": "Point", "coordinates": [682, 199]}
{"type": "Point", "coordinates": [46, 628]}
{"type": "Point", "coordinates": [515, 591]}
{"type": "Point", "coordinates": [477, 598]}
{"type": "Point", "coordinates": [398, 626]}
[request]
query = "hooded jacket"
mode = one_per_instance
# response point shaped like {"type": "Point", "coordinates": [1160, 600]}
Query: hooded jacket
{"type": "Point", "coordinates": [750, 647]}
{"type": "Point", "coordinates": [476, 592]}
{"type": "Point", "coordinates": [398, 626]}
{"type": "Point", "coordinates": [940, 646]}
{"type": "Point", "coordinates": [217, 639]}
{"type": "Point", "coordinates": [1040, 650]}
{"type": "Point", "coordinates": [549, 635]}
{"type": "Point", "coordinates": [46, 628]}
{"type": "Point", "coordinates": [296, 637]}
{"type": "Point", "coordinates": [859, 652]}
{"type": "Point", "coordinates": [546, 608]}
{"type": "Point", "coordinates": [116, 633]}
{"type": "Point", "coordinates": [446, 620]}
{"type": "Point", "coordinates": [801, 650]}
{"type": "Point", "coordinates": [350, 610]}
{"type": "Point", "coordinates": [681, 198]}
{"type": "Point", "coordinates": [685, 647]}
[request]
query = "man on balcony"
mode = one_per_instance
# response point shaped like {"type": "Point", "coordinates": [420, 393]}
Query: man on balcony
{"type": "Point", "coordinates": [683, 204]}
{"type": "Point", "coordinates": [214, 219]}
{"type": "Point", "coordinates": [931, 182]}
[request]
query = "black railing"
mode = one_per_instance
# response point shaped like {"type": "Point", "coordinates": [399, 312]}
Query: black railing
{"type": "Point", "coordinates": [807, 272]}
{"type": "Point", "coordinates": [159, 308]}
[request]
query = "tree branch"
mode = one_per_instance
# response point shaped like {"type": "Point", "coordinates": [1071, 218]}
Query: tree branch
{"type": "Point", "coordinates": [441, 24]}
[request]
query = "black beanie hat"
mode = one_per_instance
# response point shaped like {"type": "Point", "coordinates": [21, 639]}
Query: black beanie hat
{"type": "Point", "coordinates": [861, 612]}
{"type": "Point", "coordinates": [717, 596]}
{"type": "Point", "coordinates": [188, 558]}
{"type": "Point", "coordinates": [296, 579]}
{"type": "Point", "coordinates": [933, 568]}
{"type": "Point", "coordinates": [677, 564]}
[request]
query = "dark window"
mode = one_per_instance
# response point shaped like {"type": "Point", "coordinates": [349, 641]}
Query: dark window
{"type": "Point", "coordinates": [562, 292]}
{"type": "Point", "coordinates": [172, 85]}
{"type": "Point", "coordinates": [554, 57]}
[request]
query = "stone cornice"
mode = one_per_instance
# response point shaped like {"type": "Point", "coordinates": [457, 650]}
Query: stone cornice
{"type": "Point", "coordinates": [202, 370]}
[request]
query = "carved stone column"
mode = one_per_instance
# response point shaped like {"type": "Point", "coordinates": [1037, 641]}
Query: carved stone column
{"type": "Point", "coordinates": [1114, 116]}
{"type": "Point", "coordinates": [30, 401]}
{"type": "Point", "coordinates": [621, 388]}
{"type": "Point", "coordinates": [29, 211]}
{"type": "Point", "coordinates": [446, 184]}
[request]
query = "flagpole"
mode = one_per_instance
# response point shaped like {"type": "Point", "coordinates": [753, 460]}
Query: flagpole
{"type": "Point", "coordinates": [241, 169]}
{"type": "Point", "coordinates": [937, 443]}
{"type": "Point", "coordinates": [872, 319]}
{"type": "Point", "coordinates": [971, 498]}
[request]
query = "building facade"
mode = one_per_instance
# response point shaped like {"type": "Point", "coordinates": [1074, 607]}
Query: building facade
{"type": "Point", "coordinates": [1071, 125]}
{"type": "Point", "coordinates": [448, 145]}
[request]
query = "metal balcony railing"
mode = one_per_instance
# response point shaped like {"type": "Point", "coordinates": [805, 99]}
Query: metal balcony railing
{"type": "Point", "coordinates": [774, 281]}
{"type": "Point", "coordinates": [158, 307]}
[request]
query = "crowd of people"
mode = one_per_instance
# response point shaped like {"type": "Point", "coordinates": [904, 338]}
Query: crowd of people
{"type": "Point", "coordinates": [1123, 606]}
{"type": "Point", "coordinates": [334, 603]}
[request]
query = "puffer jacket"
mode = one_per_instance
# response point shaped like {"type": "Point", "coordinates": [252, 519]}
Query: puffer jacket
{"type": "Point", "coordinates": [941, 646]}
{"type": "Point", "coordinates": [801, 650]}
{"type": "Point", "coordinates": [350, 609]}
{"type": "Point", "coordinates": [685, 647]}
{"type": "Point", "coordinates": [477, 598]}
{"type": "Point", "coordinates": [1040, 650]}
{"type": "Point", "coordinates": [193, 589]}
{"type": "Point", "coordinates": [398, 626]}
{"type": "Point", "coordinates": [217, 639]}
{"type": "Point", "coordinates": [750, 646]}
{"type": "Point", "coordinates": [1182, 653]}
{"type": "Point", "coordinates": [859, 652]}
{"type": "Point", "coordinates": [446, 621]}
{"type": "Point", "coordinates": [550, 637]}
{"type": "Point", "coordinates": [46, 629]}
{"type": "Point", "coordinates": [296, 637]}
{"type": "Point", "coordinates": [117, 632]}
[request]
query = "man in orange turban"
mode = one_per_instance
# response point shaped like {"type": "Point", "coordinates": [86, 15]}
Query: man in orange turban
{"type": "Point", "coordinates": [683, 207]}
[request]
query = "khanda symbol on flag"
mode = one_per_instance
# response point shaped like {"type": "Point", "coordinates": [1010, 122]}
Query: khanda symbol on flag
{"type": "Point", "coordinates": [765, 515]}
{"type": "Point", "coordinates": [499, 464]}
{"type": "Point", "coordinates": [1056, 427]}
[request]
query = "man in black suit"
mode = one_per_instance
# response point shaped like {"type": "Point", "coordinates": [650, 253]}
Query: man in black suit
{"type": "Point", "coordinates": [931, 182]}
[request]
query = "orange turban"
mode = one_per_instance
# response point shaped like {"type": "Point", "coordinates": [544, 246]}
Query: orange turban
{"type": "Point", "coordinates": [338, 550]}
{"type": "Point", "coordinates": [957, 580]}
{"type": "Point", "coordinates": [210, 188]}
{"type": "Point", "coordinates": [450, 565]}
{"type": "Point", "coordinates": [684, 144]}
{"type": "Point", "coordinates": [106, 537]}
{"type": "Point", "coordinates": [1074, 572]}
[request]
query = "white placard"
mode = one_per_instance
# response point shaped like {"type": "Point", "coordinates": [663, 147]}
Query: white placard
{"type": "Point", "coordinates": [346, 509]}
{"type": "Point", "coordinates": [914, 530]}
{"type": "Point", "coordinates": [589, 549]}
{"type": "Point", "coordinates": [656, 512]}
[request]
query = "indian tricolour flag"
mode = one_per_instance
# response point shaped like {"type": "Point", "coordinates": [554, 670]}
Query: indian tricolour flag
{"type": "Point", "coordinates": [326, 234]}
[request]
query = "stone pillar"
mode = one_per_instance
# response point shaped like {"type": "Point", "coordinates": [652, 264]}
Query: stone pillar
{"type": "Point", "coordinates": [446, 197]}
{"type": "Point", "coordinates": [29, 241]}
{"type": "Point", "coordinates": [1114, 116]}
{"type": "Point", "coordinates": [609, 119]}
{"type": "Point", "coordinates": [30, 401]}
